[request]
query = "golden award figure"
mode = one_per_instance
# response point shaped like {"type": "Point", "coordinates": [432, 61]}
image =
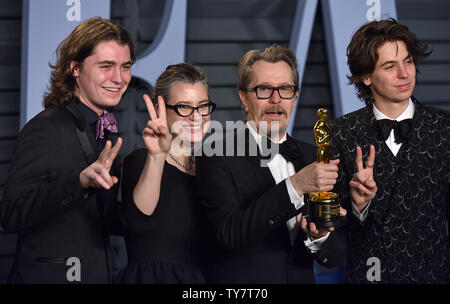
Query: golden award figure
{"type": "Point", "coordinates": [324, 207]}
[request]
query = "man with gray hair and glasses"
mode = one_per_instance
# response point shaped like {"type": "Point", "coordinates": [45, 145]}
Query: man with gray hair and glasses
{"type": "Point", "coordinates": [256, 210]}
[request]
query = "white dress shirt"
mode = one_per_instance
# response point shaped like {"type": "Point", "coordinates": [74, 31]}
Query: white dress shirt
{"type": "Point", "coordinates": [390, 142]}
{"type": "Point", "coordinates": [281, 170]}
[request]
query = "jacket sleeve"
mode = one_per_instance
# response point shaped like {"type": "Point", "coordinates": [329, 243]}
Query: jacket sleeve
{"type": "Point", "coordinates": [237, 223]}
{"type": "Point", "coordinates": [38, 187]}
{"type": "Point", "coordinates": [333, 250]}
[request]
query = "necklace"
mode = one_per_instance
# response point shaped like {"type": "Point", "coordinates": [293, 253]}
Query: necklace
{"type": "Point", "coordinates": [191, 162]}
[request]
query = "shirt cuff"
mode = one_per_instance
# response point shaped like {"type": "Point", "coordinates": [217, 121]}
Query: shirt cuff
{"type": "Point", "coordinates": [361, 215]}
{"type": "Point", "coordinates": [293, 195]}
{"type": "Point", "coordinates": [315, 245]}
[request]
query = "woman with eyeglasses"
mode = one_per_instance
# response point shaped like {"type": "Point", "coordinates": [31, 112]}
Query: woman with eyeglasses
{"type": "Point", "coordinates": [162, 215]}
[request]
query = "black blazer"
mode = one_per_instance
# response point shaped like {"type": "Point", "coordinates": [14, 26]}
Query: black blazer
{"type": "Point", "coordinates": [44, 203]}
{"type": "Point", "coordinates": [406, 224]}
{"type": "Point", "coordinates": [248, 213]}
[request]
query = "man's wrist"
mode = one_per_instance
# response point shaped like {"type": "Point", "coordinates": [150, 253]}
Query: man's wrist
{"type": "Point", "coordinates": [296, 199]}
{"type": "Point", "coordinates": [361, 214]}
{"type": "Point", "coordinates": [315, 245]}
{"type": "Point", "coordinates": [361, 207]}
{"type": "Point", "coordinates": [296, 186]}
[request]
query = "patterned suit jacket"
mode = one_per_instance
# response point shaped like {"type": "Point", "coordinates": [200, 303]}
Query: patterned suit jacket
{"type": "Point", "coordinates": [406, 225]}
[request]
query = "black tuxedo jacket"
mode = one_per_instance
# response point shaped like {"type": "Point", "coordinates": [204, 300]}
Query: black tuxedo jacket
{"type": "Point", "coordinates": [44, 203]}
{"type": "Point", "coordinates": [406, 224]}
{"type": "Point", "coordinates": [248, 213]}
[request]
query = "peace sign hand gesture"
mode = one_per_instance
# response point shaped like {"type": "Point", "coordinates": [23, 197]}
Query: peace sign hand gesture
{"type": "Point", "coordinates": [362, 186]}
{"type": "Point", "coordinates": [97, 175]}
{"type": "Point", "coordinates": [156, 135]}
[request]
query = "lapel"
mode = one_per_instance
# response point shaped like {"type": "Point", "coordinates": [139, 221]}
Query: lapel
{"type": "Point", "coordinates": [88, 144]}
{"type": "Point", "coordinates": [300, 162]}
{"type": "Point", "coordinates": [85, 137]}
{"type": "Point", "coordinates": [370, 135]}
{"type": "Point", "coordinates": [264, 179]}
{"type": "Point", "coordinates": [261, 173]}
{"type": "Point", "coordinates": [117, 163]}
{"type": "Point", "coordinates": [408, 153]}
{"type": "Point", "coordinates": [365, 133]}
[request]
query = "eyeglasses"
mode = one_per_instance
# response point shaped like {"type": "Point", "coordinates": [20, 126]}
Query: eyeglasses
{"type": "Point", "coordinates": [186, 110]}
{"type": "Point", "coordinates": [266, 91]}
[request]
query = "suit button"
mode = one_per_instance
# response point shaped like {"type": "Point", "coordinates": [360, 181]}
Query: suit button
{"type": "Point", "coordinates": [271, 222]}
{"type": "Point", "coordinates": [386, 229]}
{"type": "Point", "coordinates": [324, 260]}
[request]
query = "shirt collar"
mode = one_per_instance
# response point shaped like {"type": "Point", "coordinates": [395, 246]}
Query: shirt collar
{"type": "Point", "coordinates": [408, 113]}
{"type": "Point", "coordinates": [258, 137]}
{"type": "Point", "coordinates": [89, 114]}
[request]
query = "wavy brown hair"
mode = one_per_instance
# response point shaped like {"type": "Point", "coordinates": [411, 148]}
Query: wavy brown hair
{"type": "Point", "coordinates": [76, 47]}
{"type": "Point", "coordinates": [362, 52]}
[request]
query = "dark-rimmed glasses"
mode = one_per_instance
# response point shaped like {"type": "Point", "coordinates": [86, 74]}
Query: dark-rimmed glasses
{"type": "Point", "coordinates": [186, 110]}
{"type": "Point", "coordinates": [266, 91]}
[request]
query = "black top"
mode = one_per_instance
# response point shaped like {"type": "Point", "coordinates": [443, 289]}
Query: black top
{"type": "Point", "coordinates": [165, 247]}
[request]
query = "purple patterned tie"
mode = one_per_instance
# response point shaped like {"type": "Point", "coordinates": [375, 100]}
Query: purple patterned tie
{"type": "Point", "coordinates": [108, 122]}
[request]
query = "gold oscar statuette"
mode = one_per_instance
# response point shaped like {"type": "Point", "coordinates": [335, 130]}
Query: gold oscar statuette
{"type": "Point", "coordinates": [324, 206]}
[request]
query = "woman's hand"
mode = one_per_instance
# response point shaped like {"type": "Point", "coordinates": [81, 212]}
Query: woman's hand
{"type": "Point", "coordinates": [156, 135]}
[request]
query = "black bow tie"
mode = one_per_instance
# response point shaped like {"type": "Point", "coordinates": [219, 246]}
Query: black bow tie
{"type": "Point", "coordinates": [402, 129]}
{"type": "Point", "coordinates": [288, 149]}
